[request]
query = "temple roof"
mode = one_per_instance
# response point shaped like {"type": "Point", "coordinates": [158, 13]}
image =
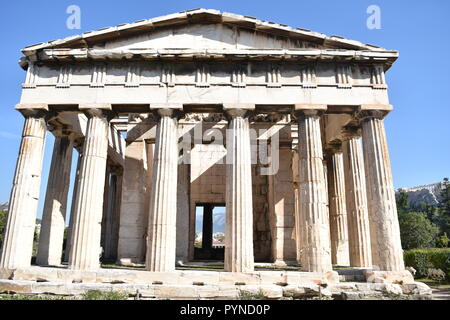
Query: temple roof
{"type": "Point", "coordinates": [89, 44]}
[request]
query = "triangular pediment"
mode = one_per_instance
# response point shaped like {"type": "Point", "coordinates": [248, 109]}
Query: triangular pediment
{"type": "Point", "coordinates": [202, 29]}
{"type": "Point", "coordinates": [207, 36]}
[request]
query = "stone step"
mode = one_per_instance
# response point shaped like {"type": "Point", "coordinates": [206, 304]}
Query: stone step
{"type": "Point", "coordinates": [346, 291]}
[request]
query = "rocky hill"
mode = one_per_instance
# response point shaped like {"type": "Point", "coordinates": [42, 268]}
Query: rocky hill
{"type": "Point", "coordinates": [430, 194]}
{"type": "Point", "coordinates": [3, 206]}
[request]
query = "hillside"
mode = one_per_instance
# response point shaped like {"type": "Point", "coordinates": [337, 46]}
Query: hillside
{"type": "Point", "coordinates": [430, 194]}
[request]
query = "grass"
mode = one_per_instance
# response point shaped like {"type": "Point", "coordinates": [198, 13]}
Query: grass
{"type": "Point", "coordinates": [246, 295]}
{"type": "Point", "coordinates": [104, 295]}
{"type": "Point", "coordinates": [89, 295]}
{"type": "Point", "coordinates": [34, 297]}
{"type": "Point", "coordinates": [117, 266]}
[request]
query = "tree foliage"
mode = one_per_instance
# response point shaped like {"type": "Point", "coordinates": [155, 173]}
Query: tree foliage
{"type": "Point", "coordinates": [417, 231]}
{"type": "Point", "coordinates": [3, 215]}
{"type": "Point", "coordinates": [425, 225]}
{"type": "Point", "coordinates": [444, 204]}
{"type": "Point", "coordinates": [402, 202]}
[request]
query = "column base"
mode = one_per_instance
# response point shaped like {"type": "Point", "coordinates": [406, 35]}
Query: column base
{"type": "Point", "coordinates": [284, 263]}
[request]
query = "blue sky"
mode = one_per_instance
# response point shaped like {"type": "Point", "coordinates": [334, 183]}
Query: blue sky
{"type": "Point", "coordinates": [418, 129]}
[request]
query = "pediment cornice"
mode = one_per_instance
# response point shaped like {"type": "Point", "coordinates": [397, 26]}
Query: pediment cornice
{"type": "Point", "coordinates": [84, 44]}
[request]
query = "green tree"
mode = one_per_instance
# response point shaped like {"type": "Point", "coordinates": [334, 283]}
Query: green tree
{"type": "Point", "coordinates": [442, 241]}
{"type": "Point", "coordinates": [444, 204]}
{"type": "Point", "coordinates": [3, 215]}
{"type": "Point", "coordinates": [443, 208]}
{"type": "Point", "coordinates": [417, 231]}
{"type": "Point", "coordinates": [402, 202]}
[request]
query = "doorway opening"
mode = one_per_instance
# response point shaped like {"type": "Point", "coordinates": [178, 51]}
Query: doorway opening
{"type": "Point", "coordinates": [209, 231]}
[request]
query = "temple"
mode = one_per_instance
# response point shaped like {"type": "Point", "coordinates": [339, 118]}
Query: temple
{"type": "Point", "coordinates": [281, 126]}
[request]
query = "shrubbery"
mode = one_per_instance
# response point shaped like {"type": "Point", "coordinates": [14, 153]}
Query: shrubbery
{"type": "Point", "coordinates": [424, 259]}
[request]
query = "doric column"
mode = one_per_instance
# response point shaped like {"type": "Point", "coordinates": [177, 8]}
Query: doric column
{"type": "Point", "coordinates": [297, 223]}
{"type": "Point", "coordinates": [357, 214]}
{"type": "Point", "coordinates": [337, 206]}
{"type": "Point", "coordinates": [107, 190]}
{"type": "Point", "coordinates": [314, 245]}
{"type": "Point", "coordinates": [54, 214]}
{"type": "Point", "coordinates": [239, 218]}
{"type": "Point", "coordinates": [112, 235]}
{"type": "Point", "coordinates": [20, 224]}
{"type": "Point", "coordinates": [72, 207]}
{"type": "Point", "coordinates": [86, 232]}
{"type": "Point", "coordinates": [111, 213]}
{"type": "Point", "coordinates": [183, 211]}
{"type": "Point", "coordinates": [161, 234]}
{"type": "Point", "coordinates": [387, 253]}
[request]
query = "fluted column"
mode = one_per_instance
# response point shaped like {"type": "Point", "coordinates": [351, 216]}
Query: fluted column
{"type": "Point", "coordinates": [54, 214]}
{"type": "Point", "coordinates": [161, 237]}
{"type": "Point", "coordinates": [239, 218]}
{"type": "Point", "coordinates": [337, 207]}
{"type": "Point", "coordinates": [313, 240]}
{"type": "Point", "coordinates": [20, 224]}
{"type": "Point", "coordinates": [387, 253]}
{"type": "Point", "coordinates": [357, 214]}
{"type": "Point", "coordinates": [183, 210]}
{"type": "Point", "coordinates": [86, 232]}
{"type": "Point", "coordinates": [72, 208]}
{"type": "Point", "coordinates": [112, 217]}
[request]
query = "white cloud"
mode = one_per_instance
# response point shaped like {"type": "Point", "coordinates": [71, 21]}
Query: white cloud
{"type": "Point", "coordinates": [8, 135]}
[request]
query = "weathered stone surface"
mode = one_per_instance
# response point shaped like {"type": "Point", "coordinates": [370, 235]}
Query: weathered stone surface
{"type": "Point", "coordinates": [281, 202]}
{"type": "Point", "coordinates": [239, 218]}
{"type": "Point", "coordinates": [176, 291]}
{"type": "Point", "coordinates": [314, 245]}
{"type": "Point", "coordinates": [53, 219]}
{"type": "Point", "coordinates": [341, 287]}
{"type": "Point", "coordinates": [86, 233]}
{"type": "Point", "coordinates": [347, 291]}
{"type": "Point", "coordinates": [337, 207]}
{"type": "Point", "coordinates": [18, 240]}
{"type": "Point", "coordinates": [357, 212]}
{"type": "Point", "coordinates": [134, 202]}
{"type": "Point", "coordinates": [305, 291]}
{"type": "Point", "coordinates": [239, 278]}
{"type": "Point", "coordinates": [387, 253]}
{"type": "Point", "coordinates": [418, 288]}
{"type": "Point", "coordinates": [10, 286]}
{"type": "Point", "coordinates": [161, 233]}
{"type": "Point", "coordinates": [397, 277]}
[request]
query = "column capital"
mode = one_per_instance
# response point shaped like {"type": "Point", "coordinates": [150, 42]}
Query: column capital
{"type": "Point", "coordinates": [61, 131]}
{"type": "Point", "coordinates": [334, 146]}
{"type": "Point", "coordinates": [100, 110]}
{"type": "Point", "coordinates": [32, 110]}
{"type": "Point", "coordinates": [99, 113]}
{"type": "Point", "coordinates": [350, 132]}
{"type": "Point", "coordinates": [301, 110]}
{"type": "Point", "coordinates": [235, 110]}
{"type": "Point", "coordinates": [166, 109]}
{"type": "Point", "coordinates": [369, 111]}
